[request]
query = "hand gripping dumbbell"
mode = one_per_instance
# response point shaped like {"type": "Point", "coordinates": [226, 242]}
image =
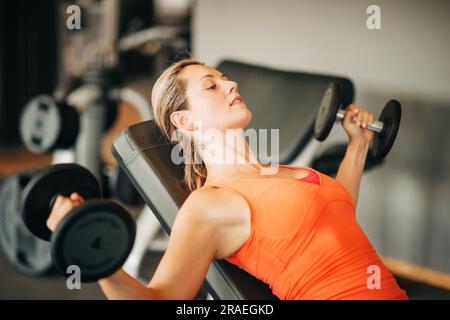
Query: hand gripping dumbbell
{"type": "Point", "coordinates": [97, 236]}
{"type": "Point", "coordinates": [385, 128]}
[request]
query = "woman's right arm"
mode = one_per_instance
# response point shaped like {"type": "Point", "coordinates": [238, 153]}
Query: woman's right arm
{"type": "Point", "coordinates": [192, 246]}
{"type": "Point", "coordinates": [120, 286]}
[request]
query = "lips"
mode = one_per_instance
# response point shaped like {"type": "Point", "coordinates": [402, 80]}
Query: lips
{"type": "Point", "coordinates": [236, 100]}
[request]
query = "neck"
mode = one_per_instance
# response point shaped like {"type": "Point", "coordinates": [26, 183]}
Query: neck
{"type": "Point", "coordinates": [230, 156]}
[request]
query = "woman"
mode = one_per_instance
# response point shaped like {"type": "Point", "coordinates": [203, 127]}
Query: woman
{"type": "Point", "coordinates": [295, 228]}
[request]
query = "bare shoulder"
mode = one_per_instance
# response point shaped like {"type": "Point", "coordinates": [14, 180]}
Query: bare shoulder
{"type": "Point", "coordinates": [225, 211]}
{"type": "Point", "coordinates": [210, 199]}
{"type": "Point", "coordinates": [200, 207]}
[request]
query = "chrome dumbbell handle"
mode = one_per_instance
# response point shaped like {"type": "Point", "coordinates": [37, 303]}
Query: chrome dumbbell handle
{"type": "Point", "coordinates": [376, 126]}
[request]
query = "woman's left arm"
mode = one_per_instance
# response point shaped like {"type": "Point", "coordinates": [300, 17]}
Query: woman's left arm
{"type": "Point", "coordinates": [351, 168]}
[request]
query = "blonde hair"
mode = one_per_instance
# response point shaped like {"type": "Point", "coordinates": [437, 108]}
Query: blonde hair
{"type": "Point", "coordinates": [168, 96]}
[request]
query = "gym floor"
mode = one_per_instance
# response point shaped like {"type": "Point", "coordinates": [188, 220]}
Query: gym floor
{"type": "Point", "coordinates": [52, 286]}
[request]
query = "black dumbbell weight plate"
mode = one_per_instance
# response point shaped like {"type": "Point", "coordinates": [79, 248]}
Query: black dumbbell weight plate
{"type": "Point", "coordinates": [40, 192]}
{"type": "Point", "coordinates": [390, 117]}
{"type": "Point", "coordinates": [326, 115]}
{"type": "Point", "coordinates": [96, 236]}
{"type": "Point", "coordinates": [26, 253]}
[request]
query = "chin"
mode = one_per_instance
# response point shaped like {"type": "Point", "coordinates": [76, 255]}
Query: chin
{"type": "Point", "coordinates": [244, 120]}
{"type": "Point", "coordinates": [238, 119]}
{"type": "Point", "coordinates": [249, 117]}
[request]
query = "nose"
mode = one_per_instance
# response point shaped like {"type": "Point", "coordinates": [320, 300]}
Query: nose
{"type": "Point", "coordinates": [233, 86]}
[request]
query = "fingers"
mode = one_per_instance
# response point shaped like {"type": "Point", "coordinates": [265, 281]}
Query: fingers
{"type": "Point", "coordinates": [352, 107]}
{"type": "Point", "coordinates": [58, 201]}
{"type": "Point", "coordinates": [368, 119]}
{"type": "Point", "coordinates": [63, 205]}
{"type": "Point", "coordinates": [350, 113]}
{"type": "Point", "coordinates": [66, 204]}
{"type": "Point", "coordinates": [360, 116]}
{"type": "Point", "coordinates": [76, 197]}
{"type": "Point", "coordinates": [365, 119]}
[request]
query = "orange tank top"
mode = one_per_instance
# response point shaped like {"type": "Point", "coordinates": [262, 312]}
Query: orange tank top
{"type": "Point", "coordinates": [305, 242]}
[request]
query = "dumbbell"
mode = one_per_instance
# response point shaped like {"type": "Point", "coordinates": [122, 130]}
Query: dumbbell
{"type": "Point", "coordinates": [97, 236]}
{"type": "Point", "coordinates": [46, 125]}
{"type": "Point", "coordinates": [385, 128]}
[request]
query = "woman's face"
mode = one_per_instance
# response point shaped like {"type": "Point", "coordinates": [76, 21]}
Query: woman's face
{"type": "Point", "coordinates": [213, 99]}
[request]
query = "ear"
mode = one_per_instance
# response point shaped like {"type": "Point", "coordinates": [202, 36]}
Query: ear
{"type": "Point", "coordinates": [182, 120]}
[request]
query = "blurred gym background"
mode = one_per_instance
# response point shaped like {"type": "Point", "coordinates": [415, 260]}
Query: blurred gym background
{"type": "Point", "coordinates": [404, 203]}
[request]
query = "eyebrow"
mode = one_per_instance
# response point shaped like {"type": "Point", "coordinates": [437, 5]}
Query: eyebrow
{"type": "Point", "coordinates": [212, 76]}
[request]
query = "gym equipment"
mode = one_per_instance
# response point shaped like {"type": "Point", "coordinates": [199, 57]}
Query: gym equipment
{"type": "Point", "coordinates": [97, 236]}
{"type": "Point", "coordinates": [46, 125]}
{"type": "Point", "coordinates": [52, 125]}
{"type": "Point", "coordinates": [386, 127]}
{"type": "Point", "coordinates": [25, 252]}
{"type": "Point", "coordinates": [122, 188]}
